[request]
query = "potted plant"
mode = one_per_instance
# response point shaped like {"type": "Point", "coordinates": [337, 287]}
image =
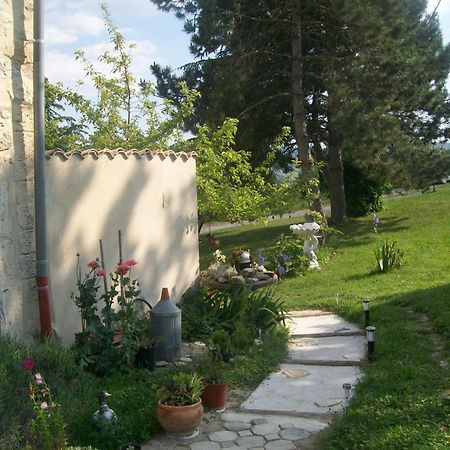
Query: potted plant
{"type": "Point", "coordinates": [146, 345]}
{"type": "Point", "coordinates": [215, 389]}
{"type": "Point", "coordinates": [180, 409]}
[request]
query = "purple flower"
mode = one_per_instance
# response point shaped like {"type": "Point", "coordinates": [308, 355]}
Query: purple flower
{"type": "Point", "coordinates": [28, 363]}
{"type": "Point", "coordinates": [376, 219]}
{"type": "Point", "coordinates": [286, 258]}
{"type": "Point", "coordinates": [281, 270]}
{"type": "Point", "coordinates": [261, 260]}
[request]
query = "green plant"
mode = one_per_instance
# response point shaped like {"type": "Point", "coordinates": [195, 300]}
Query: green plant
{"type": "Point", "coordinates": [181, 389]}
{"type": "Point", "coordinates": [219, 345]}
{"type": "Point", "coordinates": [47, 427]}
{"type": "Point", "coordinates": [285, 256]}
{"type": "Point", "coordinates": [212, 369]}
{"type": "Point", "coordinates": [388, 256]}
{"type": "Point", "coordinates": [94, 345]}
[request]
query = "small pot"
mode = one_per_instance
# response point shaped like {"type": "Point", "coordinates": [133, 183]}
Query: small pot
{"type": "Point", "coordinates": [215, 396]}
{"type": "Point", "coordinates": [146, 357]}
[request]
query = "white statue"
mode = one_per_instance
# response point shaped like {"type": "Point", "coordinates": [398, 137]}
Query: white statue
{"type": "Point", "coordinates": [307, 231]}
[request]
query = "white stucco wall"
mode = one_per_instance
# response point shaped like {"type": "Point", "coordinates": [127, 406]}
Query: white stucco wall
{"type": "Point", "coordinates": [150, 197]}
{"type": "Point", "coordinates": [18, 297]}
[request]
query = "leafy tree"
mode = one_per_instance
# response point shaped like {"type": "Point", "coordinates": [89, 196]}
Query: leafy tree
{"type": "Point", "coordinates": [61, 131]}
{"type": "Point", "coordinates": [373, 73]}
{"type": "Point", "coordinates": [125, 114]}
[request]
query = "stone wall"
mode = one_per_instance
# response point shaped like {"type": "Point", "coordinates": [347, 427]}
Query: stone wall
{"type": "Point", "coordinates": [18, 298]}
{"type": "Point", "coordinates": [150, 196]}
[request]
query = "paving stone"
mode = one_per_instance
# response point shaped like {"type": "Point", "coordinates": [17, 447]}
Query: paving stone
{"type": "Point", "coordinates": [283, 426]}
{"type": "Point", "coordinates": [228, 444]}
{"type": "Point", "coordinates": [259, 421]}
{"type": "Point", "coordinates": [265, 428]}
{"type": "Point", "coordinates": [245, 433]}
{"type": "Point", "coordinates": [272, 437]}
{"type": "Point", "coordinates": [205, 445]}
{"type": "Point", "coordinates": [320, 391]}
{"type": "Point", "coordinates": [251, 441]}
{"type": "Point", "coordinates": [223, 436]}
{"type": "Point", "coordinates": [237, 426]}
{"type": "Point", "coordinates": [294, 434]}
{"type": "Point", "coordinates": [281, 444]}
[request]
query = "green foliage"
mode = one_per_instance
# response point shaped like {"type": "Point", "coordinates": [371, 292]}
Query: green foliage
{"type": "Point", "coordinates": [219, 345]}
{"type": "Point", "coordinates": [388, 256]}
{"type": "Point", "coordinates": [230, 189]}
{"type": "Point", "coordinates": [182, 389]}
{"type": "Point", "coordinates": [230, 321]}
{"type": "Point", "coordinates": [124, 112]}
{"type": "Point", "coordinates": [363, 194]}
{"type": "Point", "coordinates": [94, 344]}
{"type": "Point", "coordinates": [46, 430]}
{"type": "Point", "coordinates": [286, 256]}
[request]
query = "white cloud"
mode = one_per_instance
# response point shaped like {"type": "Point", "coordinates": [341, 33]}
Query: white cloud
{"type": "Point", "coordinates": [62, 67]}
{"type": "Point", "coordinates": [55, 35]}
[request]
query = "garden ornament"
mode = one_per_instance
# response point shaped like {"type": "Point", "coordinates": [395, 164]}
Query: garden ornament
{"type": "Point", "coordinates": [307, 231]}
{"type": "Point", "coordinates": [104, 417]}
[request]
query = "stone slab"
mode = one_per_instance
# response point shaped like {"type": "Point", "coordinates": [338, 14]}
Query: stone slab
{"type": "Point", "coordinates": [341, 348]}
{"type": "Point", "coordinates": [300, 389]}
{"type": "Point", "coordinates": [328, 323]}
{"type": "Point", "coordinates": [312, 425]}
{"type": "Point", "coordinates": [205, 445]}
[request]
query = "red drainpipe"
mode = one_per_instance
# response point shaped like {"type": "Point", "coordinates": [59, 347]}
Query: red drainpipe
{"type": "Point", "coordinates": [44, 307]}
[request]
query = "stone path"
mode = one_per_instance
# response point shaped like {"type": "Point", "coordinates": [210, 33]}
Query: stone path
{"type": "Point", "coordinates": [292, 407]}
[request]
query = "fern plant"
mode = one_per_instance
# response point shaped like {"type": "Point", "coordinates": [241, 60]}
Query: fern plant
{"type": "Point", "coordinates": [388, 256]}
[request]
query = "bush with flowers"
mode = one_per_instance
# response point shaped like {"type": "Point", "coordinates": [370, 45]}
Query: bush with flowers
{"type": "Point", "coordinates": [47, 426]}
{"type": "Point", "coordinates": [106, 316]}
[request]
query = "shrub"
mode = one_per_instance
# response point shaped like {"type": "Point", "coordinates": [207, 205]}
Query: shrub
{"type": "Point", "coordinates": [286, 256]}
{"type": "Point", "coordinates": [388, 256]}
{"type": "Point", "coordinates": [206, 311]}
{"type": "Point", "coordinates": [363, 195]}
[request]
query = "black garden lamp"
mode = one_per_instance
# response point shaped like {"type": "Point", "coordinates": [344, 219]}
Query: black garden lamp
{"type": "Point", "coordinates": [346, 387]}
{"type": "Point", "coordinates": [370, 341]}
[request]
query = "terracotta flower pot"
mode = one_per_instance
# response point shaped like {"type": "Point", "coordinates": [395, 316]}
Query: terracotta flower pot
{"type": "Point", "coordinates": [215, 396]}
{"type": "Point", "coordinates": [180, 421]}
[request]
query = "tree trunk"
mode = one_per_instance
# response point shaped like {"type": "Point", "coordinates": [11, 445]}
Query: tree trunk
{"type": "Point", "coordinates": [335, 168]}
{"type": "Point", "coordinates": [298, 106]}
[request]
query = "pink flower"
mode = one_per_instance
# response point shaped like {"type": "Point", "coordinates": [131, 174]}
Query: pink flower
{"type": "Point", "coordinates": [44, 405]}
{"type": "Point", "coordinates": [38, 378]}
{"type": "Point", "coordinates": [122, 269]}
{"type": "Point", "coordinates": [28, 363]}
{"type": "Point", "coordinates": [92, 264]}
{"type": "Point", "coordinates": [101, 273]}
{"type": "Point", "coordinates": [130, 262]}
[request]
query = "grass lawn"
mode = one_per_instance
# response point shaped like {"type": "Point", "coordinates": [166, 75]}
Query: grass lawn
{"type": "Point", "coordinates": [403, 402]}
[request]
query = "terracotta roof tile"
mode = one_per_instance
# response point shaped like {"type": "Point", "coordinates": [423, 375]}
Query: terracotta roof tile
{"type": "Point", "coordinates": [145, 153]}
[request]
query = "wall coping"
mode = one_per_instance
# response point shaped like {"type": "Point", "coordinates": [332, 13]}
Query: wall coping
{"type": "Point", "coordinates": [112, 153]}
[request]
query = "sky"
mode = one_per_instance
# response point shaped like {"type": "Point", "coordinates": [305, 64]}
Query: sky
{"type": "Point", "coordinates": [158, 36]}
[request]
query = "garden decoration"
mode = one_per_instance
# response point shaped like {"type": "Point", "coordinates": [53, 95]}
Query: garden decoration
{"type": "Point", "coordinates": [104, 417]}
{"type": "Point", "coordinates": [165, 326]}
{"type": "Point", "coordinates": [244, 272]}
{"type": "Point", "coordinates": [307, 232]}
